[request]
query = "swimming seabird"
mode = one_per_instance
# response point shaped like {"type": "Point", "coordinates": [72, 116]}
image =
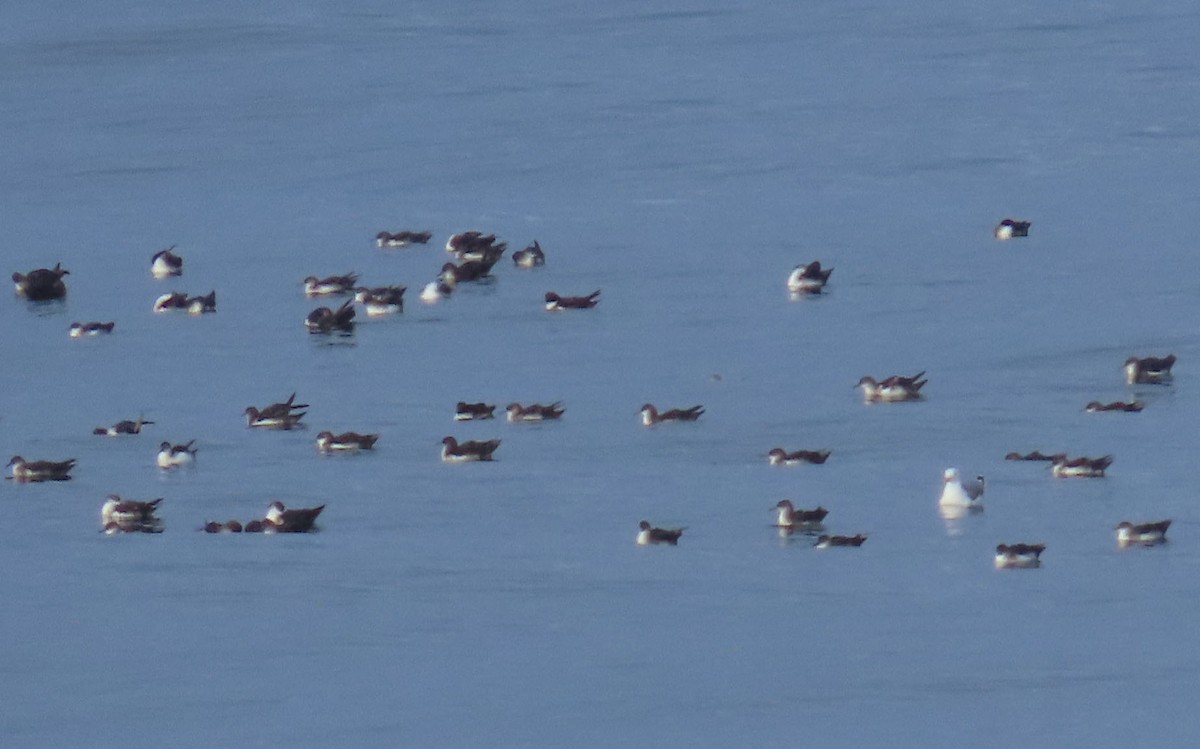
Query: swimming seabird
{"type": "Point", "coordinates": [807, 520]}
{"type": "Point", "coordinates": [1081, 467]}
{"type": "Point", "coordinates": [1009, 228]}
{"type": "Point", "coordinates": [530, 256]}
{"type": "Point", "coordinates": [652, 416]}
{"type": "Point", "coordinates": [808, 278]}
{"type": "Point", "coordinates": [554, 302]}
{"type": "Point", "coordinates": [648, 534]}
{"type": "Point", "coordinates": [402, 238]}
{"type": "Point", "coordinates": [328, 442]}
{"type": "Point", "coordinates": [1016, 556]}
{"type": "Point", "coordinates": [960, 494]}
{"type": "Point", "coordinates": [892, 389]}
{"type": "Point", "coordinates": [166, 263]}
{"type": "Point", "coordinates": [534, 411]}
{"type": "Point", "coordinates": [1144, 534]}
{"type": "Point", "coordinates": [1149, 370]}
{"type": "Point", "coordinates": [777, 456]}
{"type": "Point", "coordinates": [471, 450]}
{"type": "Point", "coordinates": [81, 329]}
{"type": "Point", "coordinates": [314, 286]}
{"type": "Point", "coordinates": [326, 320]}
{"type": "Point", "coordinates": [42, 284]}
{"type": "Point", "coordinates": [130, 515]}
{"type": "Point", "coordinates": [125, 426]}
{"type": "Point", "coordinates": [40, 470]}
{"type": "Point", "coordinates": [464, 411]}
{"type": "Point", "coordinates": [173, 456]}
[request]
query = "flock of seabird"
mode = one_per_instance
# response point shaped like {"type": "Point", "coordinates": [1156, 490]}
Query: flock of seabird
{"type": "Point", "coordinates": [477, 254]}
{"type": "Point", "coordinates": [961, 496]}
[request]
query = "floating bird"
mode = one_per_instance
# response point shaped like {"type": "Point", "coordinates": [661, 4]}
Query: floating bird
{"type": "Point", "coordinates": [325, 320]}
{"type": "Point", "coordinates": [229, 526]}
{"type": "Point", "coordinates": [130, 515]}
{"type": "Point", "coordinates": [957, 493]}
{"type": "Point", "coordinates": [453, 452]}
{"type": "Point", "coordinates": [467, 271]}
{"type": "Point", "coordinates": [1081, 467]}
{"type": "Point", "coordinates": [1150, 370]}
{"type": "Point", "coordinates": [648, 534]}
{"type": "Point", "coordinates": [473, 245]}
{"type": "Point", "coordinates": [402, 238]}
{"type": "Point", "coordinates": [172, 300]}
{"type": "Point", "coordinates": [892, 389]}
{"type": "Point", "coordinates": [177, 301]}
{"type": "Point", "coordinates": [314, 286]}
{"type": "Point", "coordinates": [435, 290]}
{"type": "Point", "coordinates": [806, 520]}
{"type": "Point", "coordinates": [173, 456]}
{"type": "Point", "coordinates": [651, 415]}
{"type": "Point", "coordinates": [464, 411]}
{"type": "Point", "coordinates": [1127, 406]}
{"type": "Point", "coordinates": [383, 300]}
{"type": "Point", "coordinates": [1009, 228]}
{"type": "Point", "coordinates": [283, 421]}
{"type": "Point", "coordinates": [487, 256]}
{"type": "Point", "coordinates": [328, 442]}
{"type": "Point", "coordinates": [1036, 455]}
{"type": "Point", "coordinates": [459, 240]}
{"type": "Point", "coordinates": [283, 407]}
{"type": "Point", "coordinates": [780, 457]}
{"type": "Point", "coordinates": [42, 284]}
{"type": "Point", "coordinates": [554, 302]}
{"type": "Point", "coordinates": [279, 519]}
{"type": "Point", "coordinates": [166, 263]}
{"type": "Point", "coordinates": [1015, 556]}
{"type": "Point", "coordinates": [1144, 534]}
{"type": "Point", "coordinates": [825, 541]}
{"type": "Point", "coordinates": [530, 256]}
{"type": "Point", "coordinates": [277, 415]}
{"type": "Point", "coordinates": [40, 470]}
{"type": "Point", "coordinates": [81, 329]}
{"type": "Point", "coordinates": [809, 278]}
{"type": "Point", "coordinates": [534, 411]}
{"type": "Point", "coordinates": [125, 426]}
{"type": "Point", "coordinates": [199, 305]}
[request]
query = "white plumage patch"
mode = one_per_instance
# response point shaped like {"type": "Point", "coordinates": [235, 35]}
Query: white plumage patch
{"type": "Point", "coordinates": [798, 283]}
{"type": "Point", "coordinates": [1017, 561]}
{"type": "Point", "coordinates": [449, 457]}
{"type": "Point", "coordinates": [430, 293]}
{"type": "Point", "coordinates": [956, 493]}
{"type": "Point", "coordinates": [160, 268]}
{"type": "Point", "coordinates": [375, 309]}
{"type": "Point", "coordinates": [167, 460]}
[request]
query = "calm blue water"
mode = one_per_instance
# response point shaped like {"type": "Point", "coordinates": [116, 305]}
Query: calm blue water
{"type": "Point", "coordinates": [683, 159]}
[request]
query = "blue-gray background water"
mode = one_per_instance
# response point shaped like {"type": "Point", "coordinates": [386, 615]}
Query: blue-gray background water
{"type": "Point", "coordinates": [683, 158]}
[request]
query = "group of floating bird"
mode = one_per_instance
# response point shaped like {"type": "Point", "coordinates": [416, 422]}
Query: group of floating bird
{"type": "Point", "coordinates": [961, 496]}
{"type": "Point", "coordinates": [119, 515]}
{"type": "Point", "coordinates": [958, 496]}
{"type": "Point", "coordinates": [477, 253]}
